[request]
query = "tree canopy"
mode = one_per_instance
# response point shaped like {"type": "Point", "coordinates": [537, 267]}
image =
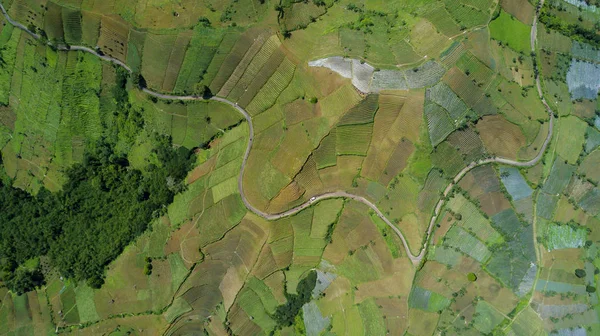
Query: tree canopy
{"type": "Point", "coordinates": [104, 205]}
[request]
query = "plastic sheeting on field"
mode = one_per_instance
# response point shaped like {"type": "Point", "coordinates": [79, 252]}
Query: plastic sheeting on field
{"type": "Point", "coordinates": [367, 79]}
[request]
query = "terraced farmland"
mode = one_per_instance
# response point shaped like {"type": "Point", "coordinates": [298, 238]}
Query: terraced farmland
{"type": "Point", "coordinates": [360, 168]}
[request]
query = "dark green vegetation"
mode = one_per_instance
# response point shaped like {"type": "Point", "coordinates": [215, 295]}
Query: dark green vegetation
{"type": "Point", "coordinates": [513, 251]}
{"type": "Point", "coordinates": [104, 205]}
{"type": "Point", "coordinates": [575, 30]}
{"type": "Point", "coordinates": [286, 313]}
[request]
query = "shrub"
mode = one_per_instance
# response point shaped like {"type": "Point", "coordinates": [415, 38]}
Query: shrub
{"type": "Point", "coordinates": [286, 313]}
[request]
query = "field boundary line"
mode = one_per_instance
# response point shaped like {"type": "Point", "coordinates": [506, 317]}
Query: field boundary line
{"type": "Point", "coordinates": [416, 259]}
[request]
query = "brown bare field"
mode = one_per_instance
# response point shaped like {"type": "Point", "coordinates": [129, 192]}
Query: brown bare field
{"type": "Point", "coordinates": [177, 236]}
{"type": "Point", "coordinates": [493, 202]}
{"type": "Point", "coordinates": [442, 227]}
{"type": "Point", "coordinates": [584, 109]}
{"type": "Point", "coordinates": [397, 284]}
{"type": "Point", "coordinates": [565, 212]}
{"type": "Point", "coordinates": [114, 32]}
{"type": "Point", "coordinates": [397, 161]}
{"type": "Point", "coordinates": [202, 170]}
{"type": "Point", "coordinates": [521, 9]}
{"type": "Point", "coordinates": [500, 137]}
{"type": "Point", "coordinates": [265, 265]}
{"type": "Point", "coordinates": [565, 259]}
{"type": "Point", "coordinates": [394, 311]}
{"type": "Point", "coordinates": [438, 278]}
{"type": "Point", "coordinates": [308, 177]}
{"type": "Point", "coordinates": [328, 81]}
{"type": "Point", "coordinates": [293, 151]}
{"type": "Point", "coordinates": [384, 137]}
{"type": "Point", "coordinates": [299, 110]}
{"type": "Point", "coordinates": [286, 197]}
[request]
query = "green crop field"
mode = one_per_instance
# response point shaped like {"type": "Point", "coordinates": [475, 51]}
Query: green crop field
{"type": "Point", "coordinates": [512, 32]}
{"type": "Point", "coordinates": [299, 168]}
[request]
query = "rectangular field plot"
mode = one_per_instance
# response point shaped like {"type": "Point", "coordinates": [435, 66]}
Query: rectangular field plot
{"type": "Point", "coordinates": [514, 183]}
{"type": "Point", "coordinates": [53, 24]}
{"type": "Point", "coordinates": [175, 61]}
{"type": "Point", "coordinates": [72, 25]}
{"type": "Point", "coordinates": [559, 287]}
{"type": "Point", "coordinates": [113, 38]}
{"type": "Point", "coordinates": [474, 68]}
{"type": "Point", "coordinates": [445, 255]}
{"type": "Point", "coordinates": [468, 244]}
{"type": "Point", "coordinates": [325, 154]}
{"type": "Point", "coordinates": [135, 48]}
{"type": "Point", "coordinates": [243, 64]}
{"type": "Point", "coordinates": [199, 54]}
{"type": "Point", "coordinates": [155, 60]}
{"type": "Point", "coordinates": [585, 51]}
{"type": "Point", "coordinates": [252, 69]}
{"type": "Point", "coordinates": [439, 123]}
{"type": "Point", "coordinates": [338, 102]}
{"type": "Point", "coordinates": [269, 93]}
{"type": "Point", "coordinates": [487, 317]}
{"type": "Point", "coordinates": [353, 139]}
{"type": "Point", "coordinates": [512, 32]}
{"type": "Point", "coordinates": [426, 300]}
{"type": "Point", "coordinates": [583, 79]}
{"type": "Point", "coordinates": [443, 21]}
{"type": "Point", "coordinates": [559, 178]}
{"type": "Point", "coordinates": [564, 236]}
{"type": "Point", "coordinates": [571, 138]}
{"type": "Point", "coordinates": [470, 93]}
{"type": "Point", "coordinates": [590, 165]}
{"type": "Point", "coordinates": [442, 95]}
{"type": "Point", "coordinates": [362, 113]}
{"type": "Point", "coordinates": [553, 40]}
{"type": "Point", "coordinates": [472, 220]}
{"type": "Point", "coordinates": [90, 28]}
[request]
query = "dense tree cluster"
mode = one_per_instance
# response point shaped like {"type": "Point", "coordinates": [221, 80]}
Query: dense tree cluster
{"type": "Point", "coordinates": [572, 30]}
{"type": "Point", "coordinates": [286, 313]}
{"type": "Point", "coordinates": [104, 205]}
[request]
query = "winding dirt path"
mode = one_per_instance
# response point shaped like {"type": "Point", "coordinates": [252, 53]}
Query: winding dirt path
{"type": "Point", "coordinates": [416, 259]}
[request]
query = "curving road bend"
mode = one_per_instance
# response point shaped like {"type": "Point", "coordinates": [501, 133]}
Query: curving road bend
{"type": "Point", "coordinates": [416, 259]}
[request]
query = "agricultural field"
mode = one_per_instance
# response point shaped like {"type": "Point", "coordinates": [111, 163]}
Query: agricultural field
{"type": "Point", "coordinates": [315, 168]}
